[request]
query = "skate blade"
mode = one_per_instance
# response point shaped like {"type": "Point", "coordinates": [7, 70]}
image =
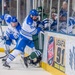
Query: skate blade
{"type": "Point", "coordinates": [34, 66]}
{"type": "Point", "coordinates": [23, 64]}
{"type": "Point", "coordinates": [7, 68]}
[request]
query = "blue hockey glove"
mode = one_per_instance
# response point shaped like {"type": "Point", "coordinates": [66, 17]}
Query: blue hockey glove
{"type": "Point", "coordinates": [4, 38]}
{"type": "Point", "coordinates": [38, 22]}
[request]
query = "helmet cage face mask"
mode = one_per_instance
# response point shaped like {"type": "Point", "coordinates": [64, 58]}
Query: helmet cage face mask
{"type": "Point", "coordinates": [14, 21]}
{"type": "Point", "coordinates": [34, 14]}
{"type": "Point", "coordinates": [35, 18]}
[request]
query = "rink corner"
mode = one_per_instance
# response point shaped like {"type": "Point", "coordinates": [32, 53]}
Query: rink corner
{"type": "Point", "coordinates": [1, 49]}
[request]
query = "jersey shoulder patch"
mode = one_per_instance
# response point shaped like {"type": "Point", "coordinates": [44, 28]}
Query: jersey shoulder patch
{"type": "Point", "coordinates": [29, 21]}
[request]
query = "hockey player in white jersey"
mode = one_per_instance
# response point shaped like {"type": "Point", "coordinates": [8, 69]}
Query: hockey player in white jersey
{"type": "Point", "coordinates": [11, 33]}
{"type": "Point", "coordinates": [28, 29]}
{"type": "Point", "coordinates": [35, 57]}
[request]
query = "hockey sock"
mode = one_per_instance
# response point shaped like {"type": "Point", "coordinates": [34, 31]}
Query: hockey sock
{"type": "Point", "coordinates": [35, 54]}
{"type": "Point", "coordinates": [13, 55]}
{"type": "Point", "coordinates": [10, 58]}
{"type": "Point", "coordinates": [7, 52]}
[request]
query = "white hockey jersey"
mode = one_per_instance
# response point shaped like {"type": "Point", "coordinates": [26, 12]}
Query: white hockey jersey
{"type": "Point", "coordinates": [29, 28]}
{"type": "Point", "coordinates": [12, 32]}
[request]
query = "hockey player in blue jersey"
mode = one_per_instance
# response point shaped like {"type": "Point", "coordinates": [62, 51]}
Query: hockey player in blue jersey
{"type": "Point", "coordinates": [29, 28]}
{"type": "Point", "coordinates": [11, 33]}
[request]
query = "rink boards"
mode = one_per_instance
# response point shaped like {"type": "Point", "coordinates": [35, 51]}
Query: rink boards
{"type": "Point", "coordinates": [59, 53]}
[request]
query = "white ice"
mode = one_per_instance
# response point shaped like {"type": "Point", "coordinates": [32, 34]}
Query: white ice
{"type": "Point", "coordinates": [18, 68]}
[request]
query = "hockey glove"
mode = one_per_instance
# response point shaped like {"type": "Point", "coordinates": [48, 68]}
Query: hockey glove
{"type": "Point", "coordinates": [4, 38]}
{"type": "Point", "coordinates": [42, 27]}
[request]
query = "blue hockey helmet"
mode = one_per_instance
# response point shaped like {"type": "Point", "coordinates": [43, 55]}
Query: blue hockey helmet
{"type": "Point", "coordinates": [33, 12]}
{"type": "Point", "coordinates": [13, 19]}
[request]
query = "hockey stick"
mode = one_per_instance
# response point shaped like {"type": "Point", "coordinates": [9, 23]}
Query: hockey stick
{"type": "Point", "coordinates": [1, 39]}
{"type": "Point", "coordinates": [6, 54]}
{"type": "Point", "coordinates": [3, 56]}
{"type": "Point", "coordinates": [4, 40]}
{"type": "Point", "coordinates": [1, 36]}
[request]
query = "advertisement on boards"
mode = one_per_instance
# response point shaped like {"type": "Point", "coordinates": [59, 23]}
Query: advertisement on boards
{"type": "Point", "coordinates": [61, 52]}
{"type": "Point", "coordinates": [50, 51]}
{"type": "Point", "coordinates": [59, 57]}
{"type": "Point", "coordinates": [70, 58]}
{"type": "Point", "coordinates": [56, 53]}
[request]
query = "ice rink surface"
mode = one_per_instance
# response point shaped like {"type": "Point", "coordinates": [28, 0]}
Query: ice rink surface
{"type": "Point", "coordinates": [18, 68]}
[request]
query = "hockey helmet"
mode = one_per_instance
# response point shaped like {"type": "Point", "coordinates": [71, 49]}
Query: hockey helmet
{"type": "Point", "coordinates": [13, 19]}
{"type": "Point", "coordinates": [39, 9]}
{"type": "Point", "coordinates": [33, 12]}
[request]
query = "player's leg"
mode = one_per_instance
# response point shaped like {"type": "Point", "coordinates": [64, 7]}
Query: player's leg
{"type": "Point", "coordinates": [11, 57]}
{"type": "Point", "coordinates": [7, 46]}
{"type": "Point", "coordinates": [18, 50]}
{"type": "Point", "coordinates": [35, 56]}
{"type": "Point", "coordinates": [31, 45]}
{"type": "Point", "coordinates": [22, 47]}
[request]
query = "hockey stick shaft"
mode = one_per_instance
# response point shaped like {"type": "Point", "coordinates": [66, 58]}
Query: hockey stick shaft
{"type": "Point", "coordinates": [6, 54]}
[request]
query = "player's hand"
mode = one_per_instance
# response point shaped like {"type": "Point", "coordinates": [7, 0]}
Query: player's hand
{"type": "Point", "coordinates": [4, 38]}
{"type": "Point", "coordinates": [41, 26]}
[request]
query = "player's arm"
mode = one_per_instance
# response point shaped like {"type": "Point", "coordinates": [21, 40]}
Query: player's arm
{"type": "Point", "coordinates": [11, 34]}
{"type": "Point", "coordinates": [36, 30]}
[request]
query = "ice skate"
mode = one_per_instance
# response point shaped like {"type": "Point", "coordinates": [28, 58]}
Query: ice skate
{"type": "Point", "coordinates": [6, 65]}
{"type": "Point", "coordinates": [26, 61]}
{"type": "Point", "coordinates": [3, 59]}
